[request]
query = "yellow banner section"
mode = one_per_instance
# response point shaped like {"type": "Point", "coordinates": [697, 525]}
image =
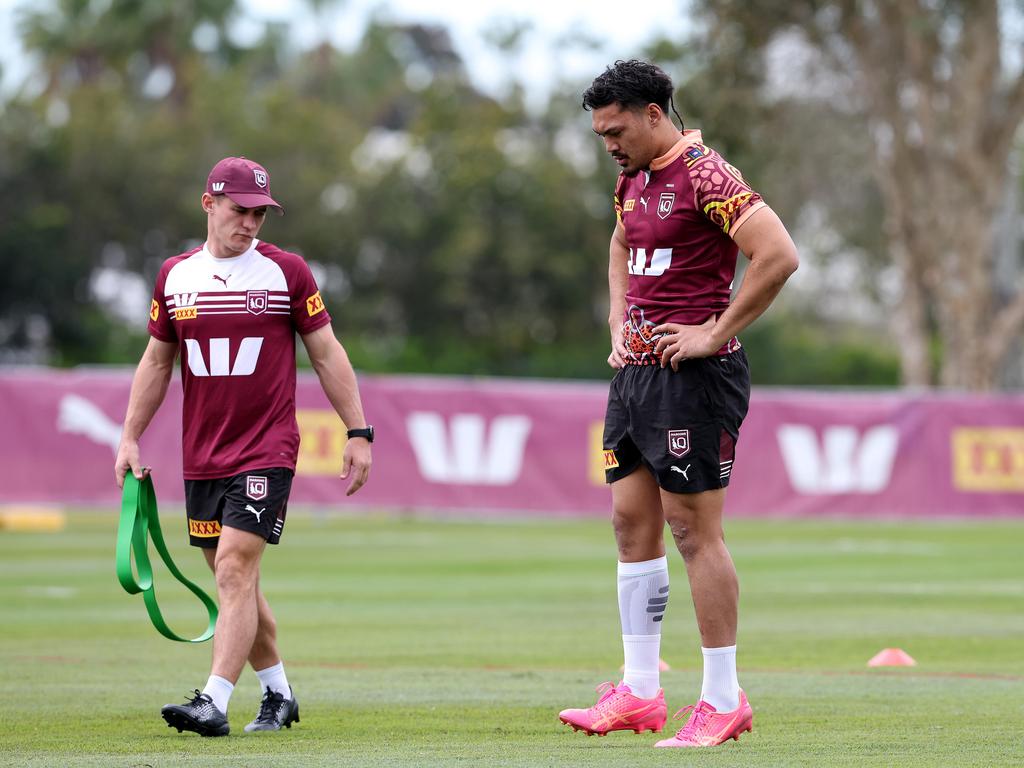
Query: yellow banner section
{"type": "Point", "coordinates": [988, 459]}
{"type": "Point", "coordinates": [322, 441]}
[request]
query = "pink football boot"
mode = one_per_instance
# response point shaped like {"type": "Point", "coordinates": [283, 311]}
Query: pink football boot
{"type": "Point", "coordinates": [707, 728]}
{"type": "Point", "coordinates": [618, 710]}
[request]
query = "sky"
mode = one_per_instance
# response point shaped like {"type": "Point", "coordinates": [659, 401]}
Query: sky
{"type": "Point", "coordinates": [622, 33]}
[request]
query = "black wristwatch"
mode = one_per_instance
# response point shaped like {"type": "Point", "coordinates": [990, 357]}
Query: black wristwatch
{"type": "Point", "coordinates": [366, 432]}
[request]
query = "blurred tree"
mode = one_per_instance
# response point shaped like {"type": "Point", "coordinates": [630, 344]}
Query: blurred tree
{"type": "Point", "coordinates": [940, 108]}
{"type": "Point", "coordinates": [452, 231]}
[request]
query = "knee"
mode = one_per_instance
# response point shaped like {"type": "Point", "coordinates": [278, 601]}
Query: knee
{"type": "Point", "coordinates": [234, 574]}
{"type": "Point", "coordinates": [690, 539]}
{"type": "Point", "coordinates": [637, 537]}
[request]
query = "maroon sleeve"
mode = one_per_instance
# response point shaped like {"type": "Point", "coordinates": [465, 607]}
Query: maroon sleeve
{"type": "Point", "coordinates": [308, 310]}
{"type": "Point", "coordinates": [722, 194]}
{"type": "Point", "coordinates": [620, 185]}
{"type": "Point", "coordinates": [160, 325]}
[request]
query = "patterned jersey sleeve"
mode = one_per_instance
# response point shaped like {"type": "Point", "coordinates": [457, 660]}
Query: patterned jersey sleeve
{"type": "Point", "coordinates": [620, 186]}
{"type": "Point", "coordinates": [721, 192]}
{"type": "Point", "coordinates": [160, 326]}
{"type": "Point", "coordinates": [308, 310]}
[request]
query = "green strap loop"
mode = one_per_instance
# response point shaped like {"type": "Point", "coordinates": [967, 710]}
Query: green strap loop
{"type": "Point", "coordinates": [139, 520]}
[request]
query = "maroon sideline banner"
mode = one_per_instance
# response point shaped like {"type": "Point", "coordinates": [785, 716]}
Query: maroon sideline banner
{"type": "Point", "coordinates": [485, 446]}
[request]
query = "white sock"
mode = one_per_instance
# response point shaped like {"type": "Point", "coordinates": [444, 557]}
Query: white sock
{"type": "Point", "coordinates": [643, 596]}
{"type": "Point", "coordinates": [274, 679]}
{"type": "Point", "coordinates": [642, 655]}
{"type": "Point", "coordinates": [219, 689]}
{"type": "Point", "coordinates": [721, 687]}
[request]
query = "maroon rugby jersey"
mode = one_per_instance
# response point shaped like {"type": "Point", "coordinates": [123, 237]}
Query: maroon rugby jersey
{"type": "Point", "coordinates": [678, 218]}
{"type": "Point", "coordinates": [235, 321]}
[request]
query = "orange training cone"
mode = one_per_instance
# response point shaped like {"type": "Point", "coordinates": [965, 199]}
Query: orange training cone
{"type": "Point", "coordinates": [892, 657]}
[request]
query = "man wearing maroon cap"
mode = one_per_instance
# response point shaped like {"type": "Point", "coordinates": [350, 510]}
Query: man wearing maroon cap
{"type": "Point", "coordinates": [231, 308]}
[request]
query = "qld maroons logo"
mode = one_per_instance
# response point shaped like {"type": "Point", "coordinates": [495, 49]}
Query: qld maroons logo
{"type": "Point", "coordinates": [679, 442]}
{"type": "Point", "coordinates": [665, 204]}
{"type": "Point", "coordinates": [256, 302]}
{"type": "Point", "coordinates": [256, 487]}
{"type": "Point", "coordinates": [260, 177]}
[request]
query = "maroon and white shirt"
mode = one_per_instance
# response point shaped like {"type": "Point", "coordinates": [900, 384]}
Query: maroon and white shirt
{"type": "Point", "coordinates": [234, 321]}
{"type": "Point", "coordinates": [679, 218]}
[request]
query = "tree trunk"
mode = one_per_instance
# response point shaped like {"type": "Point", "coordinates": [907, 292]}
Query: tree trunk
{"type": "Point", "coordinates": [942, 164]}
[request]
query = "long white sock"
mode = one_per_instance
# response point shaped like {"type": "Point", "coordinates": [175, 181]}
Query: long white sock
{"type": "Point", "coordinates": [275, 679]}
{"type": "Point", "coordinates": [219, 689]}
{"type": "Point", "coordinates": [643, 596]}
{"type": "Point", "coordinates": [721, 687]}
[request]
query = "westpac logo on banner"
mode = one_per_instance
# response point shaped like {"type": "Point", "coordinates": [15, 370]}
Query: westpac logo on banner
{"type": "Point", "coordinates": [467, 450]}
{"type": "Point", "coordinates": [843, 461]}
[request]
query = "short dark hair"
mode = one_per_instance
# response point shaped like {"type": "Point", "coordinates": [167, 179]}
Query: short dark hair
{"type": "Point", "coordinates": [632, 84]}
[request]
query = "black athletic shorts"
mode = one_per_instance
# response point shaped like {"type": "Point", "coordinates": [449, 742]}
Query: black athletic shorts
{"type": "Point", "coordinates": [683, 425]}
{"type": "Point", "coordinates": [255, 501]}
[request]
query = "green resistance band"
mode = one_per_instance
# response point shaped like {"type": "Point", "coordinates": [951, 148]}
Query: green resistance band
{"type": "Point", "coordinates": [139, 520]}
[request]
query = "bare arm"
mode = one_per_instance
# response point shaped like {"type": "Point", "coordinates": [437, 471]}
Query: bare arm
{"type": "Point", "coordinates": [339, 383]}
{"type": "Point", "coordinates": [149, 386]}
{"type": "Point", "coordinates": [618, 282]}
{"type": "Point", "coordinates": [773, 258]}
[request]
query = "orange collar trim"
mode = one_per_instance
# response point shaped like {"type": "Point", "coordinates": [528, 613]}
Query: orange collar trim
{"type": "Point", "coordinates": [686, 139]}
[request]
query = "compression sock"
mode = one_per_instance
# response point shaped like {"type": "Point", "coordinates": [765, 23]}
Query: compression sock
{"type": "Point", "coordinates": [643, 595]}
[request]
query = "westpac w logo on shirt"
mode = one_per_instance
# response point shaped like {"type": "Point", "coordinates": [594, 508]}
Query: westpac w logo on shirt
{"type": "Point", "coordinates": [246, 357]}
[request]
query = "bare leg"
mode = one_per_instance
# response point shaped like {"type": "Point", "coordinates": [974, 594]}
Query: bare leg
{"type": "Point", "coordinates": [264, 651]}
{"type": "Point", "coordinates": [696, 524]}
{"type": "Point", "coordinates": [637, 517]}
{"type": "Point", "coordinates": [236, 568]}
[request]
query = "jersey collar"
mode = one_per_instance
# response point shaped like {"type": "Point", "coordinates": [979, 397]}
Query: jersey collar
{"type": "Point", "coordinates": [686, 139]}
{"type": "Point", "coordinates": [230, 259]}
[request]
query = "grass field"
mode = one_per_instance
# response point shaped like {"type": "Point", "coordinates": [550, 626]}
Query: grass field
{"type": "Point", "coordinates": [414, 642]}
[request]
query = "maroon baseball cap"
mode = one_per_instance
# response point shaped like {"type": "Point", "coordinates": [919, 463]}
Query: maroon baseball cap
{"type": "Point", "coordinates": [245, 182]}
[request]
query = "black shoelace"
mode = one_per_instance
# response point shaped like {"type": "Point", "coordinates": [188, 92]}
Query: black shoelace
{"type": "Point", "coordinates": [269, 707]}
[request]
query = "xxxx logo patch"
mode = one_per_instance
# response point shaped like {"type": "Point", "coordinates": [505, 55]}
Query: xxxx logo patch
{"type": "Point", "coordinates": [203, 529]}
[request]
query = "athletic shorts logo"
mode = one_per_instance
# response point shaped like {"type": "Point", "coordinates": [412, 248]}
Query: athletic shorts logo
{"type": "Point", "coordinates": [260, 176]}
{"type": "Point", "coordinates": [314, 304]}
{"type": "Point", "coordinates": [256, 487]}
{"type": "Point", "coordinates": [203, 529]}
{"type": "Point", "coordinates": [665, 203]}
{"type": "Point", "coordinates": [610, 462]}
{"type": "Point", "coordinates": [154, 310]}
{"type": "Point", "coordinates": [256, 302]}
{"type": "Point", "coordinates": [679, 442]}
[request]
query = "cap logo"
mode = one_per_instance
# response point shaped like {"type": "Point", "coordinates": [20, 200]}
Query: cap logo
{"type": "Point", "coordinates": [217, 186]}
{"type": "Point", "coordinates": [261, 177]}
